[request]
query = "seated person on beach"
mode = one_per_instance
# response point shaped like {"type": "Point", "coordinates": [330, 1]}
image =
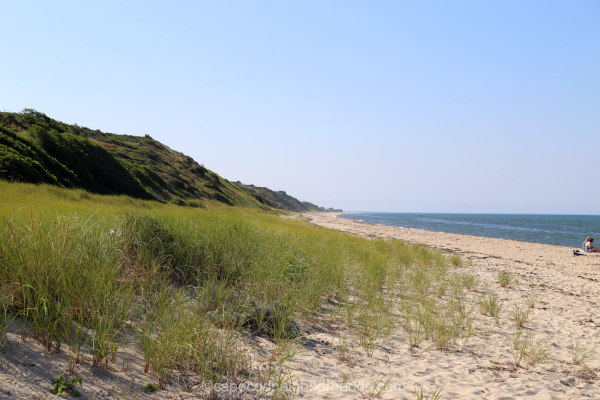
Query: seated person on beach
{"type": "Point", "coordinates": [587, 246]}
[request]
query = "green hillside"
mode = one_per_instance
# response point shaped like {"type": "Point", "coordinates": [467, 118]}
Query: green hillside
{"type": "Point", "coordinates": [38, 149]}
{"type": "Point", "coordinates": [280, 199]}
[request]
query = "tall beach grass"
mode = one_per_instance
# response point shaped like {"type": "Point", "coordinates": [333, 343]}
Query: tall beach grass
{"type": "Point", "coordinates": [93, 271]}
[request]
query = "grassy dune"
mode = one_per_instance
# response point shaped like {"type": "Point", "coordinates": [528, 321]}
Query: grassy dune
{"type": "Point", "coordinates": [95, 272]}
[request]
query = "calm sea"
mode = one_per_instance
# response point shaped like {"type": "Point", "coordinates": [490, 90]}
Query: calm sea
{"type": "Point", "coordinates": [564, 230]}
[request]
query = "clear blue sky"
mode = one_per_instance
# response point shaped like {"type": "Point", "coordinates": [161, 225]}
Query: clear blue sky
{"type": "Point", "coordinates": [452, 106]}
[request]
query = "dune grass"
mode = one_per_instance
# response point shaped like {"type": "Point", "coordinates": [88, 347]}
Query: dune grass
{"type": "Point", "coordinates": [528, 352]}
{"type": "Point", "coordinates": [93, 271]}
{"type": "Point", "coordinates": [520, 316]}
{"type": "Point", "coordinates": [490, 305]}
{"type": "Point", "coordinates": [5, 302]}
{"type": "Point", "coordinates": [581, 353]}
{"type": "Point", "coordinates": [505, 278]}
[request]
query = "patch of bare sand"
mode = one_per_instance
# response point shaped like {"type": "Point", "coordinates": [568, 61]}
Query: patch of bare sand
{"type": "Point", "coordinates": [566, 311]}
{"type": "Point", "coordinates": [27, 371]}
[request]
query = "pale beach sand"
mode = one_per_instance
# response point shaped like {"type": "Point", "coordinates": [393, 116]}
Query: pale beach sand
{"type": "Point", "coordinates": [567, 289]}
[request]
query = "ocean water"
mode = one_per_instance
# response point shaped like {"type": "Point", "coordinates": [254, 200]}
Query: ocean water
{"type": "Point", "coordinates": [563, 230]}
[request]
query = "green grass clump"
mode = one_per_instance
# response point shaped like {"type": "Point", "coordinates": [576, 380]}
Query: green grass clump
{"type": "Point", "coordinates": [173, 334]}
{"type": "Point", "coordinates": [456, 261]}
{"type": "Point", "coordinates": [520, 316]}
{"type": "Point", "coordinates": [469, 281]}
{"type": "Point", "coordinates": [532, 299]}
{"type": "Point", "coordinates": [421, 395]}
{"type": "Point", "coordinates": [581, 353]}
{"type": "Point", "coordinates": [505, 278]}
{"type": "Point", "coordinates": [490, 305]}
{"type": "Point", "coordinates": [438, 315]}
{"type": "Point", "coordinates": [65, 385]}
{"type": "Point", "coordinates": [528, 352]}
{"type": "Point", "coordinates": [4, 316]}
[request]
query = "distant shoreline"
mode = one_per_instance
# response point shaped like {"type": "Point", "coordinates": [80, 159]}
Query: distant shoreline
{"type": "Point", "coordinates": [539, 254]}
{"type": "Point", "coordinates": [335, 215]}
{"type": "Point", "coordinates": [558, 230]}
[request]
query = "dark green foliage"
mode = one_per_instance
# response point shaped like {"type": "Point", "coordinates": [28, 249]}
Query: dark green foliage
{"type": "Point", "coordinates": [168, 174]}
{"type": "Point", "coordinates": [280, 199]}
{"type": "Point", "coordinates": [294, 265]}
{"type": "Point", "coordinates": [48, 151]}
{"type": "Point", "coordinates": [62, 384]}
{"type": "Point", "coordinates": [149, 179]}
{"type": "Point", "coordinates": [21, 160]}
{"type": "Point", "coordinates": [187, 203]}
{"type": "Point", "coordinates": [96, 169]}
{"type": "Point", "coordinates": [271, 319]}
{"type": "Point", "coordinates": [16, 167]}
{"type": "Point", "coordinates": [44, 150]}
{"type": "Point", "coordinates": [148, 243]}
{"type": "Point", "coordinates": [22, 121]}
{"type": "Point", "coordinates": [150, 388]}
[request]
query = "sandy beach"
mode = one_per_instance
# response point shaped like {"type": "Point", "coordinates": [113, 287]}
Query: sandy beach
{"type": "Point", "coordinates": [564, 319]}
{"type": "Point", "coordinates": [330, 363]}
{"type": "Point", "coordinates": [536, 255]}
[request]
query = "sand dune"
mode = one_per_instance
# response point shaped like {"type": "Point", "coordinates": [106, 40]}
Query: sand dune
{"type": "Point", "coordinates": [565, 289]}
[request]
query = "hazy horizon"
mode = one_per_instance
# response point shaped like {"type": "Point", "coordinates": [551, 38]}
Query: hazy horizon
{"type": "Point", "coordinates": [463, 213]}
{"type": "Point", "coordinates": [450, 107]}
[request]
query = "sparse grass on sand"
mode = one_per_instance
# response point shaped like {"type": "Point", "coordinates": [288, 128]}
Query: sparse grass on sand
{"type": "Point", "coordinates": [490, 305]}
{"type": "Point", "coordinates": [505, 278]}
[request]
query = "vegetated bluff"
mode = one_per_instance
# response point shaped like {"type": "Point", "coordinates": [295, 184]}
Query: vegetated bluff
{"type": "Point", "coordinates": [38, 149]}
